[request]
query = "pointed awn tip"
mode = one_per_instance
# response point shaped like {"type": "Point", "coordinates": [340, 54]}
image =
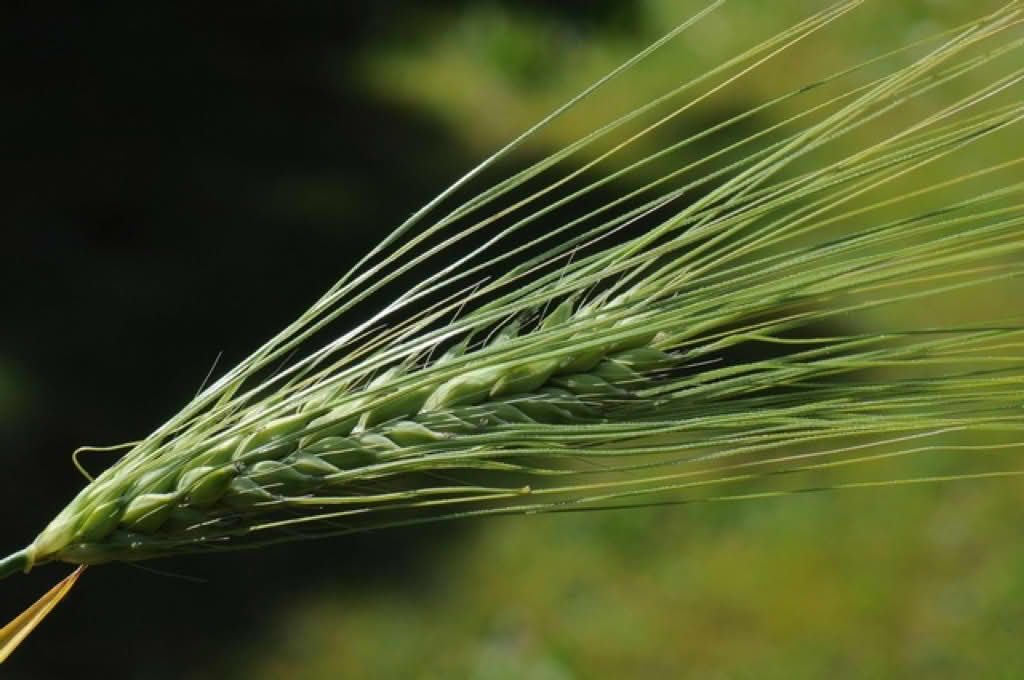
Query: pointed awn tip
{"type": "Point", "coordinates": [17, 630]}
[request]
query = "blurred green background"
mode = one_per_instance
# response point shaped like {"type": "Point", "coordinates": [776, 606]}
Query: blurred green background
{"type": "Point", "coordinates": [187, 178]}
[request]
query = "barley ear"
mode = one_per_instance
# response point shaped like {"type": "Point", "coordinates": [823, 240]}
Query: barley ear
{"type": "Point", "coordinates": [591, 366]}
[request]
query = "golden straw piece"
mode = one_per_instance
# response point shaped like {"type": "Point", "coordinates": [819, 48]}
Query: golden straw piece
{"type": "Point", "coordinates": [17, 630]}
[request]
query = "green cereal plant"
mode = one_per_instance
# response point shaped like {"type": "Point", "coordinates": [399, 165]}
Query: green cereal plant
{"type": "Point", "coordinates": [582, 366]}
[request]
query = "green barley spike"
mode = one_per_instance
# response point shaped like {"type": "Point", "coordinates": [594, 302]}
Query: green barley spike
{"type": "Point", "coordinates": [595, 372]}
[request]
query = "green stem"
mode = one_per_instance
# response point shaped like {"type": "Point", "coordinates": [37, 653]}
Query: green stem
{"type": "Point", "coordinates": [15, 562]}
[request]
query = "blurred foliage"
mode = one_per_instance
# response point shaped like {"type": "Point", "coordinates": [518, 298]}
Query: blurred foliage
{"type": "Point", "coordinates": [187, 179]}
